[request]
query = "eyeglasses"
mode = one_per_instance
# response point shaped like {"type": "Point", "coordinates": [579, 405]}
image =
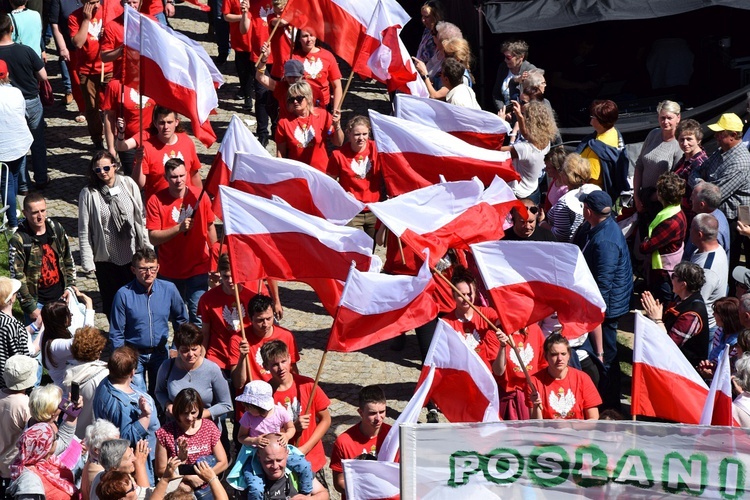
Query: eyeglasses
{"type": "Point", "coordinates": [148, 269]}
{"type": "Point", "coordinates": [298, 99]}
{"type": "Point", "coordinates": [132, 488]}
{"type": "Point", "coordinates": [106, 168]}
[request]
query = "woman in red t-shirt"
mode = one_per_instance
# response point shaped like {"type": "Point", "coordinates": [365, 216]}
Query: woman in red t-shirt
{"type": "Point", "coordinates": [509, 375]}
{"type": "Point", "coordinates": [321, 69]}
{"type": "Point", "coordinates": [562, 392]}
{"type": "Point", "coordinates": [355, 166]}
{"type": "Point", "coordinates": [302, 136]}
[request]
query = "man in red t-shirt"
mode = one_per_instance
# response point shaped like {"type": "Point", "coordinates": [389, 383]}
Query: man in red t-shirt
{"type": "Point", "coordinates": [364, 438]}
{"type": "Point", "coordinates": [85, 25]}
{"type": "Point", "coordinates": [181, 226]}
{"type": "Point", "coordinates": [292, 391]}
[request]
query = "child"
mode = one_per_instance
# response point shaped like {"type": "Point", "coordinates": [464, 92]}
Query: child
{"type": "Point", "coordinates": [262, 417]}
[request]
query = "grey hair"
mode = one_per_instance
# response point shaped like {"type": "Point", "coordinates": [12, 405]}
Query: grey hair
{"type": "Point", "coordinates": [535, 78]}
{"type": "Point", "coordinates": [99, 431]}
{"type": "Point", "coordinates": [708, 225]}
{"type": "Point", "coordinates": [745, 302]}
{"type": "Point", "coordinates": [669, 107]}
{"type": "Point", "coordinates": [708, 193]}
{"type": "Point", "coordinates": [742, 368]}
{"type": "Point", "coordinates": [446, 31]}
{"type": "Point", "coordinates": [111, 453]}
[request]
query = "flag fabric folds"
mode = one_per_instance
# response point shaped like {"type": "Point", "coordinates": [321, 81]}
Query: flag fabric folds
{"type": "Point", "coordinates": [718, 407]}
{"type": "Point", "coordinates": [303, 187]}
{"type": "Point", "coordinates": [475, 126]}
{"type": "Point", "coordinates": [291, 245]}
{"type": "Point", "coordinates": [528, 281]}
{"type": "Point", "coordinates": [463, 387]}
{"type": "Point", "coordinates": [413, 156]}
{"type": "Point", "coordinates": [664, 383]}
{"type": "Point", "coordinates": [372, 480]}
{"type": "Point", "coordinates": [439, 217]}
{"type": "Point", "coordinates": [376, 307]}
{"type": "Point", "coordinates": [171, 73]}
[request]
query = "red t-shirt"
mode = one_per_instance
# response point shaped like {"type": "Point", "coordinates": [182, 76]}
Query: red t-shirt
{"type": "Point", "coordinates": [321, 70]}
{"type": "Point", "coordinates": [88, 59]}
{"type": "Point", "coordinates": [238, 41]}
{"type": "Point", "coordinates": [477, 334]}
{"type": "Point", "coordinates": [359, 174]}
{"type": "Point", "coordinates": [186, 254]}
{"type": "Point", "coordinates": [566, 398]}
{"type": "Point", "coordinates": [305, 137]}
{"type": "Point", "coordinates": [131, 106]}
{"type": "Point", "coordinates": [259, 12]}
{"type": "Point", "coordinates": [156, 154]}
{"type": "Point", "coordinates": [256, 361]}
{"type": "Point", "coordinates": [201, 444]}
{"type": "Point", "coordinates": [151, 7]}
{"type": "Point", "coordinates": [531, 348]}
{"type": "Point", "coordinates": [295, 400]}
{"type": "Point", "coordinates": [352, 443]}
{"type": "Point", "coordinates": [113, 35]}
{"type": "Point", "coordinates": [219, 311]}
{"type": "Point", "coordinates": [282, 46]}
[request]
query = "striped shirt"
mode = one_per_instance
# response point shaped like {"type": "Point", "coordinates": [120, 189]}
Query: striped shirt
{"type": "Point", "coordinates": [14, 339]}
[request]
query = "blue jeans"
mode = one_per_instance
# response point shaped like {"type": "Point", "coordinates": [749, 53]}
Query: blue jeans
{"type": "Point", "coordinates": [65, 74]}
{"type": "Point", "coordinates": [149, 364]}
{"type": "Point", "coordinates": [162, 18]}
{"type": "Point", "coordinates": [35, 121]}
{"type": "Point", "coordinates": [14, 168]}
{"type": "Point", "coordinates": [191, 289]}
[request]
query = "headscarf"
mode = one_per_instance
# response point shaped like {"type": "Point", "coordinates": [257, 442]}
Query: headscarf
{"type": "Point", "coordinates": [34, 446]}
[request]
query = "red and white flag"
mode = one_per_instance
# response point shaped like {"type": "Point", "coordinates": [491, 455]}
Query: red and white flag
{"type": "Point", "coordinates": [529, 280]}
{"type": "Point", "coordinates": [237, 138]}
{"type": "Point", "coordinates": [463, 387]}
{"type": "Point", "coordinates": [172, 73]}
{"type": "Point", "coordinates": [372, 479]}
{"type": "Point", "coordinates": [303, 187]}
{"type": "Point", "coordinates": [439, 217]}
{"type": "Point", "coordinates": [718, 407]}
{"type": "Point", "coordinates": [414, 156]}
{"type": "Point", "coordinates": [475, 126]}
{"type": "Point", "coordinates": [376, 307]}
{"type": "Point", "coordinates": [216, 75]}
{"type": "Point", "coordinates": [664, 383]}
{"type": "Point", "coordinates": [290, 244]}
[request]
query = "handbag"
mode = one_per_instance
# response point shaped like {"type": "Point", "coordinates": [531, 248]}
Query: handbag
{"type": "Point", "coordinates": [45, 93]}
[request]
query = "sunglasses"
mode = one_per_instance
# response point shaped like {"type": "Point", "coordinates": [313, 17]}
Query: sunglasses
{"type": "Point", "coordinates": [106, 168]}
{"type": "Point", "coordinates": [298, 99]}
{"type": "Point", "coordinates": [533, 210]}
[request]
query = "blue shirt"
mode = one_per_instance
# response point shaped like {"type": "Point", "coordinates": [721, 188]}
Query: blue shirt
{"type": "Point", "coordinates": [141, 318]}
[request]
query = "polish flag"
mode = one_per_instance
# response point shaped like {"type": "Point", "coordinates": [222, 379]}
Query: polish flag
{"type": "Point", "coordinates": [533, 279]}
{"type": "Point", "coordinates": [718, 407]}
{"type": "Point", "coordinates": [237, 138]}
{"type": "Point", "coordinates": [171, 73]}
{"type": "Point", "coordinates": [414, 156]}
{"type": "Point", "coordinates": [475, 126]}
{"type": "Point", "coordinates": [389, 449]}
{"type": "Point", "coordinates": [372, 479]}
{"type": "Point", "coordinates": [664, 383]}
{"type": "Point", "coordinates": [290, 244]}
{"type": "Point", "coordinates": [376, 307]}
{"type": "Point", "coordinates": [303, 187]}
{"type": "Point", "coordinates": [442, 216]}
{"type": "Point", "coordinates": [463, 387]}
{"type": "Point", "coordinates": [216, 75]}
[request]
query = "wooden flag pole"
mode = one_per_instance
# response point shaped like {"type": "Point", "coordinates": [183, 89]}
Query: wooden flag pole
{"type": "Point", "coordinates": [346, 89]}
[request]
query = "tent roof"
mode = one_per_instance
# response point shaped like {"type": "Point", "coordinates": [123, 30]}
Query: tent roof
{"type": "Point", "coordinates": [538, 15]}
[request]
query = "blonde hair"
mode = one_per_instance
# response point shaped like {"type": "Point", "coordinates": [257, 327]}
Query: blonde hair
{"type": "Point", "coordinates": [301, 88]}
{"type": "Point", "coordinates": [576, 171]}
{"type": "Point", "coordinates": [460, 50]}
{"type": "Point", "coordinates": [540, 124]}
{"type": "Point", "coordinates": [6, 290]}
{"type": "Point", "coordinates": [356, 121]}
{"type": "Point", "coordinates": [446, 30]}
{"type": "Point", "coordinates": [43, 402]}
{"type": "Point", "coordinates": [668, 107]}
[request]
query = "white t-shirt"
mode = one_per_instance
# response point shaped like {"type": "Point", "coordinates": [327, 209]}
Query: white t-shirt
{"type": "Point", "coordinates": [716, 270]}
{"type": "Point", "coordinates": [462, 95]}
{"type": "Point", "coordinates": [529, 165]}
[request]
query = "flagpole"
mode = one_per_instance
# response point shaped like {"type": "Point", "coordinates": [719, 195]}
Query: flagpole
{"type": "Point", "coordinates": [239, 309]}
{"type": "Point", "coordinates": [140, 82]}
{"type": "Point", "coordinates": [491, 324]}
{"type": "Point", "coordinates": [346, 89]}
{"type": "Point", "coordinates": [634, 395]}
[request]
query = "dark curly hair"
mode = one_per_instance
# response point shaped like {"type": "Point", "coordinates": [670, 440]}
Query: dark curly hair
{"type": "Point", "coordinates": [670, 188]}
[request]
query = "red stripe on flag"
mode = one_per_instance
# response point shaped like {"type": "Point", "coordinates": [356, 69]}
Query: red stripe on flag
{"type": "Point", "coordinates": [654, 394]}
{"type": "Point", "coordinates": [447, 385]}
{"type": "Point", "coordinates": [487, 141]}
{"type": "Point", "coordinates": [296, 192]}
{"type": "Point", "coordinates": [218, 175]}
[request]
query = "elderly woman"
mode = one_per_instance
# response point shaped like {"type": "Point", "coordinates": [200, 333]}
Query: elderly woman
{"type": "Point", "coordinates": [689, 137]}
{"type": "Point", "coordinates": [537, 125]}
{"type": "Point", "coordinates": [96, 434]}
{"type": "Point", "coordinates": [111, 226]}
{"type": "Point", "coordinates": [302, 136]}
{"type": "Point", "coordinates": [430, 70]}
{"type": "Point", "coordinates": [605, 148]}
{"type": "Point", "coordinates": [566, 215]}
{"type": "Point", "coordinates": [44, 404]}
{"type": "Point", "coordinates": [685, 319]}
{"type": "Point", "coordinates": [741, 404]}
{"type": "Point", "coordinates": [660, 153]}
{"type": "Point", "coordinates": [57, 339]}
{"type": "Point", "coordinates": [664, 244]}
{"type": "Point", "coordinates": [37, 472]}
{"type": "Point", "coordinates": [510, 73]}
{"type": "Point", "coordinates": [88, 372]}
{"type": "Point", "coordinates": [560, 391]}
{"type": "Point", "coordinates": [190, 369]}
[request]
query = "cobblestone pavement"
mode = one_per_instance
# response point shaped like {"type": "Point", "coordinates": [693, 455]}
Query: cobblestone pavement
{"type": "Point", "coordinates": [69, 151]}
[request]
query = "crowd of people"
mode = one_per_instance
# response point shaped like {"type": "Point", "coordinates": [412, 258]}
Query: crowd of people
{"type": "Point", "coordinates": [138, 411]}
